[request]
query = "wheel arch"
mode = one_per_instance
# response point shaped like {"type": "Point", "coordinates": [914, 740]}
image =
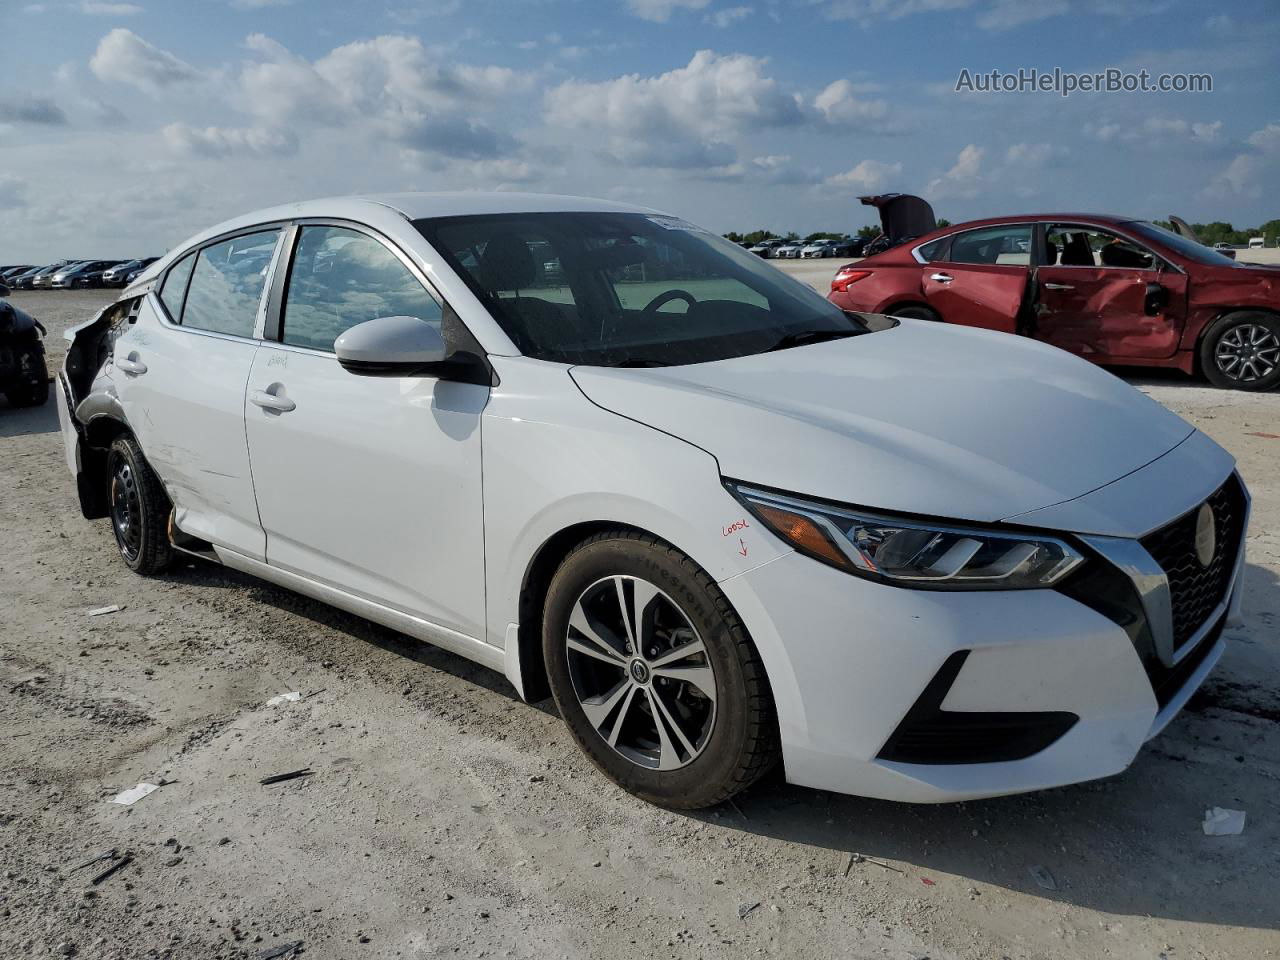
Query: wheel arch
{"type": "Point", "coordinates": [541, 567]}
{"type": "Point", "coordinates": [100, 429]}
{"type": "Point", "coordinates": [899, 304]}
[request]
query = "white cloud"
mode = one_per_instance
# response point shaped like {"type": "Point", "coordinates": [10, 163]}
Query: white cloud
{"type": "Point", "coordinates": [840, 106]}
{"type": "Point", "coordinates": [1035, 156]}
{"type": "Point", "coordinates": [124, 57]}
{"type": "Point", "coordinates": [728, 16]}
{"type": "Point", "coordinates": [963, 179]}
{"type": "Point", "coordinates": [683, 118]}
{"type": "Point", "coordinates": [1267, 139]}
{"type": "Point", "coordinates": [991, 14]}
{"type": "Point", "coordinates": [110, 9]}
{"type": "Point", "coordinates": [869, 175]}
{"type": "Point", "coordinates": [223, 141]}
{"type": "Point", "coordinates": [390, 83]}
{"type": "Point", "coordinates": [659, 11]}
{"type": "Point", "coordinates": [1154, 131]}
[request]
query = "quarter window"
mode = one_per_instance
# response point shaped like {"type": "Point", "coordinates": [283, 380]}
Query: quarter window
{"type": "Point", "coordinates": [175, 286]}
{"type": "Point", "coordinates": [1004, 246]}
{"type": "Point", "coordinates": [342, 277]}
{"type": "Point", "coordinates": [226, 285]}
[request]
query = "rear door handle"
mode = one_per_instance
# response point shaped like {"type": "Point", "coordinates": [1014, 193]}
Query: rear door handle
{"type": "Point", "coordinates": [135, 368]}
{"type": "Point", "coordinates": [269, 401]}
{"type": "Point", "coordinates": [942, 277]}
{"type": "Point", "coordinates": [1058, 286]}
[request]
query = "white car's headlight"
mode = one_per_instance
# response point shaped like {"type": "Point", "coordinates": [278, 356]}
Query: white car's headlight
{"type": "Point", "coordinates": [912, 553]}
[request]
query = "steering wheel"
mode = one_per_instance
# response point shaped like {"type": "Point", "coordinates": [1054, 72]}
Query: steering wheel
{"type": "Point", "coordinates": [664, 298]}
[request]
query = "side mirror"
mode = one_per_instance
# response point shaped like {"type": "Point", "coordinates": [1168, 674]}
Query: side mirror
{"type": "Point", "coordinates": [392, 347]}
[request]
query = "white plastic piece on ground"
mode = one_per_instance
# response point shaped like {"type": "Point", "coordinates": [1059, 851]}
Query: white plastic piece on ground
{"type": "Point", "coordinates": [134, 794]}
{"type": "Point", "coordinates": [284, 698]}
{"type": "Point", "coordinates": [100, 611]}
{"type": "Point", "coordinates": [1221, 822]}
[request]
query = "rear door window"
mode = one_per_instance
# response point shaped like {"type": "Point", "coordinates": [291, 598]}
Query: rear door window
{"type": "Point", "coordinates": [226, 285]}
{"type": "Point", "coordinates": [1004, 246]}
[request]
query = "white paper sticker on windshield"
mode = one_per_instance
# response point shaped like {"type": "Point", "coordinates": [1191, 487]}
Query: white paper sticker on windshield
{"type": "Point", "coordinates": [675, 223]}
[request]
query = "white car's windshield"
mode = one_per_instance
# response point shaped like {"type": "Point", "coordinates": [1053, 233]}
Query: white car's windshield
{"type": "Point", "coordinates": [629, 289]}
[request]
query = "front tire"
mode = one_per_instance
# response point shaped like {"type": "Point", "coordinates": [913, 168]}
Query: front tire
{"type": "Point", "coordinates": [139, 508]}
{"type": "Point", "coordinates": [1242, 351]}
{"type": "Point", "coordinates": [654, 673]}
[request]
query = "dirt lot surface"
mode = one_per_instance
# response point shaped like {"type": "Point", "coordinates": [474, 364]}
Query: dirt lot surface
{"type": "Point", "coordinates": [445, 818]}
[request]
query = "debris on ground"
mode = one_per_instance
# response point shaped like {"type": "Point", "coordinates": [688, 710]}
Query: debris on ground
{"type": "Point", "coordinates": [927, 882]}
{"type": "Point", "coordinates": [859, 858]}
{"type": "Point", "coordinates": [131, 796]}
{"type": "Point", "coordinates": [1042, 877]}
{"type": "Point", "coordinates": [291, 775]}
{"type": "Point", "coordinates": [105, 855]}
{"type": "Point", "coordinates": [1222, 822]}
{"type": "Point", "coordinates": [281, 950]}
{"type": "Point", "coordinates": [284, 698]}
{"type": "Point", "coordinates": [118, 865]}
{"type": "Point", "coordinates": [103, 611]}
{"type": "Point", "coordinates": [746, 908]}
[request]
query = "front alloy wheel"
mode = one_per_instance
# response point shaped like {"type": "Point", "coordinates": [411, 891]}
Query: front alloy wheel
{"type": "Point", "coordinates": [1242, 351]}
{"type": "Point", "coordinates": [1248, 352]}
{"type": "Point", "coordinates": [654, 672]}
{"type": "Point", "coordinates": [640, 673]}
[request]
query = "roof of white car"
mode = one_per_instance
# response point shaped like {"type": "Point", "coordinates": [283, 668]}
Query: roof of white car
{"type": "Point", "coordinates": [412, 206]}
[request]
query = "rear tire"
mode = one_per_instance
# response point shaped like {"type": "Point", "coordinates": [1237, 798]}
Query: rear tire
{"type": "Point", "coordinates": [1241, 351]}
{"type": "Point", "coordinates": [682, 731]}
{"type": "Point", "coordinates": [915, 311]}
{"type": "Point", "coordinates": [139, 508]}
{"type": "Point", "coordinates": [32, 388]}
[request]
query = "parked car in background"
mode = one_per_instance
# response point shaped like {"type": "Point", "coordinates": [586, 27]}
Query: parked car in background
{"type": "Point", "coordinates": [909, 560]}
{"type": "Point", "coordinates": [1111, 289]}
{"type": "Point", "coordinates": [767, 248]}
{"type": "Point", "coordinates": [42, 278]}
{"type": "Point", "coordinates": [819, 248]}
{"type": "Point", "coordinates": [24, 375]}
{"type": "Point", "coordinates": [789, 250]}
{"type": "Point", "coordinates": [87, 273]}
{"type": "Point", "coordinates": [1257, 243]}
{"type": "Point", "coordinates": [13, 270]}
{"type": "Point", "coordinates": [118, 275]}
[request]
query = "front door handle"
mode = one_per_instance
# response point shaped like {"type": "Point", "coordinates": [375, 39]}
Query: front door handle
{"type": "Point", "coordinates": [131, 365]}
{"type": "Point", "coordinates": [942, 277]}
{"type": "Point", "coordinates": [269, 401]}
{"type": "Point", "coordinates": [1058, 286]}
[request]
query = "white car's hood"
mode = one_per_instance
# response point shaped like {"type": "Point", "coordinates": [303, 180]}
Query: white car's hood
{"type": "Point", "coordinates": [923, 418]}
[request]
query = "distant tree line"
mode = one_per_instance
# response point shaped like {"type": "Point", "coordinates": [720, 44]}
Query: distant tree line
{"type": "Point", "coordinates": [1221, 232]}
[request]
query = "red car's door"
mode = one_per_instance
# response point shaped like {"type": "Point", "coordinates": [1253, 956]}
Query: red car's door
{"type": "Point", "coordinates": [983, 278]}
{"type": "Point", "coordinates": [1102, 295]}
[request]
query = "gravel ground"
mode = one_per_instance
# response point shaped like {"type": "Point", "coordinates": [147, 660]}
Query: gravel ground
{"type": "Point", "coordinates": [445, 818]}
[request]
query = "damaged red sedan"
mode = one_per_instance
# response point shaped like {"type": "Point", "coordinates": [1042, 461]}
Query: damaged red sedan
{"type": "Point", "coordinates": [1111, 289]}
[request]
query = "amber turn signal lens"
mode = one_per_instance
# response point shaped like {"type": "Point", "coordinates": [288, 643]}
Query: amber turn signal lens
{"type": "Point", "coordinates": [803, 533]}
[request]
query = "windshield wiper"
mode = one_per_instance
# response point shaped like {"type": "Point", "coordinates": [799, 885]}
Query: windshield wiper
{"type": "Point", "coordinates": [802, 337]}
{"type": "Point", "coordinates": [638, 362]}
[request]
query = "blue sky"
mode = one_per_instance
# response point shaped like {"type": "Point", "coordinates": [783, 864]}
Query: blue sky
{"type": "Point", "coordinates": [127, 126]}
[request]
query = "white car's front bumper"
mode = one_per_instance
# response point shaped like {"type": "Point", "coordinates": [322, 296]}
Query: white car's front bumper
{"type": "Point", "coordinates": [919, 696]}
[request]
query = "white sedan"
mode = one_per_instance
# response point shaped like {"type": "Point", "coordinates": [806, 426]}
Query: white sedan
{"type": "Point", "coordinates": [632, 466]}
